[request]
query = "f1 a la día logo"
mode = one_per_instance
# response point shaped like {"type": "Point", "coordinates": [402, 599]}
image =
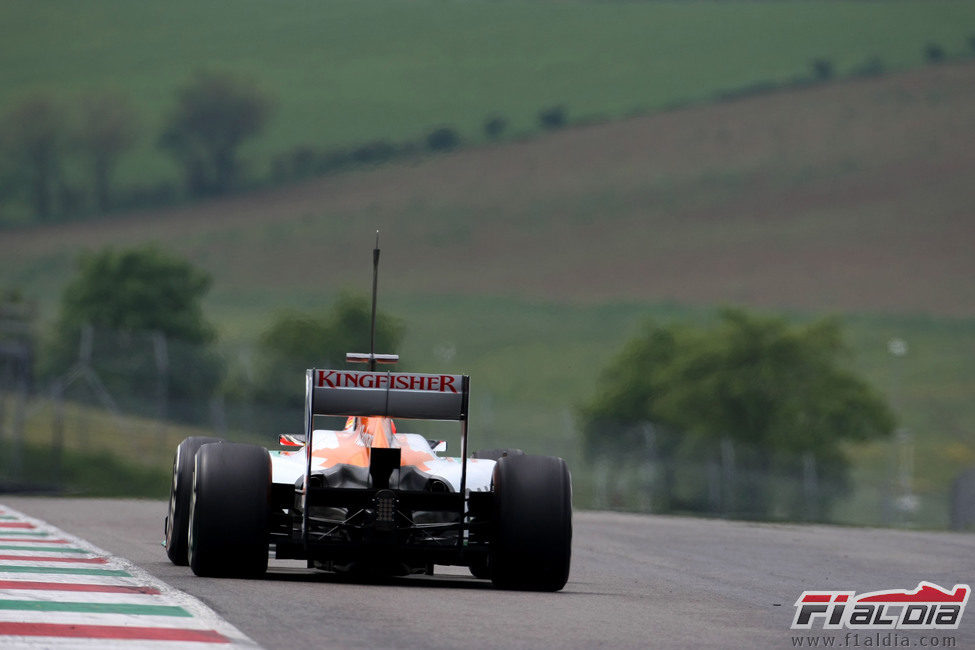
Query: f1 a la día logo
{"type": "Point", "coordinates": [929, 607]}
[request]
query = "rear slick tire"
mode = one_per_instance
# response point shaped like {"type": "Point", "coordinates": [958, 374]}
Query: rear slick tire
{"type": "Point", "coordinates": [533, 541]}
{"type": "Point", "coordinates": [178, 519]}
{"type": "Point", "coordinates": [228, 534]}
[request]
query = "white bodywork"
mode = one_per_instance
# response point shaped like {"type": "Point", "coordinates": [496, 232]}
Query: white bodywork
{"type": "Point", "coordinates": [289, 466]}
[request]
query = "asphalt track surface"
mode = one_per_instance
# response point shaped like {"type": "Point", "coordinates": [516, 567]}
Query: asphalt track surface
{"type": "Point", "coordinates": [637, 582]}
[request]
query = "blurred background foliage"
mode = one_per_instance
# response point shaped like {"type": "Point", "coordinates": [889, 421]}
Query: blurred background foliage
{"type": "Point", "coordinates": [168, 106]}
{"type": "Point", "coordinates": [563, 188]}
{"type": "Point", "coordinates": [296, 340]}
{"type": "Point", "coordinates": [779, 397]}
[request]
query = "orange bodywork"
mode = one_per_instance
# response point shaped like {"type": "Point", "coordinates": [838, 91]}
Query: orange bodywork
{"type": "Point", "coordinates": [363, 434]}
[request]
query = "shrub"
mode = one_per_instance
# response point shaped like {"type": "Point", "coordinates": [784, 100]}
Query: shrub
{"type": "Point", "coordinates": [822, 69]}
{"type": "Point", "coordinates": [374, 152]}
{"type": "Point", "coordinates": [215, 114]}
{"type": "Point", "coordinates": [295, 337]}
{"type": "Point", "coordinates": [749, 90]}
{"type": "Point", "coordinates": [334, 160]}
{"type": "Point", "coordinates": [872, 67]}
{"type": "Point", "coordinates": [443, 139]}
{"type": "Point", "coordinates": [109, 127]}
{"type": "Point", "coordinates": [552, 118]}
{"type": "Point", "coordinates": [934, 53]}
{"type": "Point", "coordinates": [130, 297]}
{"type": "Point", "coordinates": [494, 126]}
{"type": "Point", "coordinates": [146, 195]}
{"type": "Point", "coordinates": [302, 161]}
{"type": "Point", "coordinates": [34, 138]}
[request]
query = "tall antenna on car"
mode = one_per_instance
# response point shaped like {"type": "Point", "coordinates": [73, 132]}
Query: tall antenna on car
{"type": "Point", "coordinates": [375, 284]}
{"type": "Point", "coordinates": [372, 358]}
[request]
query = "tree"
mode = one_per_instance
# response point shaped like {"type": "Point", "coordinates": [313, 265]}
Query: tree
{"type": "Point", "coordinates": [494, 126]}
{"type": "Point", "coordinates": [443, 139]}
{"type": "Point", "coordinates": [136, 289]}
{"type": "Point", "coordinates": [215, 113]}
{"type": "Point", "coordinates": [17, 322]}
{"type": "Point", "coordinates": [108, 127]}
{"type": "Point", "coordinates": [630, 388]}
{"type": "Point", "coordinates": [299, 340]}
{"type": "Point", "coordinates": [762, 382]}
{"type": "Point", "coordinates": [132, 297]}
{"type": "Point", "coordinates": [10, 180]}
{"type": "Point", "coordinates": [776, 392]}
{"type": "Point", "coordinates": [822, 69]}
{"type": "Point", "coordinates": [33, 137]}
{"type": "Point", "coordinates": [553, 117]}
{"type": "Point", "coordinates": [934, 53]}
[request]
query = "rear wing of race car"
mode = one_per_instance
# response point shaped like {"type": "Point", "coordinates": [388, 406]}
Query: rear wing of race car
{"type": "Point", "coordinates": [387, 394]}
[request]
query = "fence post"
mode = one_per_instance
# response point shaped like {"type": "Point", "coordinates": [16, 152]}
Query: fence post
{"type": "Point", "coordinates": [218, 415]}
{"type": "Point", "coordinates": [600, 482]}
{"type": "Point", "coordinates": [20, 416]}
{"type": "Point", "coordinates": [17, 317]}
{"type": "Point", "coordinates": [3, 414]}
{"type": "Point", "coordinates": [963, 501]}
{"type": "Point", "coordinates": [714, 472]}
{"type": "Point", "coordinates": [730, 501]}
{"type": "Point", "coordinates": [810, 486]}
{"type": "Point", "coordinates": [57, 429]}
{"type": "Point", "coordinates": [161, 353]}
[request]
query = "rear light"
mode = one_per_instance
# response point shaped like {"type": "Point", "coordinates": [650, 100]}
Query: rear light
{"type": "Point", "coordinates": [385, 504]}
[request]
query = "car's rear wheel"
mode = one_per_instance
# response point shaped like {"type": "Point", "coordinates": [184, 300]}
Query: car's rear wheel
{"type": "Point", "coordinates": [178, 519]}
{"type": "Point", "coordinates": [533, 535]}
{"type": "Point", "coordinates": [229, 510]}
{"type": "Point", "coordinates": [480, 569]}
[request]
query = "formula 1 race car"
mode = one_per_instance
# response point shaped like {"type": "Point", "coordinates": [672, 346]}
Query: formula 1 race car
{"type": "Point", "coordinates": [371, 498]}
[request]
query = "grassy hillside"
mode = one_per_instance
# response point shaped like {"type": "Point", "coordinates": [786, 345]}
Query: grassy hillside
{"type": "Point", "coordinates": [526, 264]}
{"type": "Point", "coordinates": [849, 197]}
{"type": "Point", "coordinates": [97, 454]}
{"type": "Point", "coordinates": [348, 72]}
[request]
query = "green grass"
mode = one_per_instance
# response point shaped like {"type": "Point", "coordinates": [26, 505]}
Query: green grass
{"type": "Point", "coordinates": [534, 363]}
{"type": "Point", "coordinates": [348, 72]}
{"type": "Point", "coordinates": [98, 473]}
{"type": "Point", "coordinates": [100, 454]}
{"type": "Point", "coordinates": [825, 185]}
